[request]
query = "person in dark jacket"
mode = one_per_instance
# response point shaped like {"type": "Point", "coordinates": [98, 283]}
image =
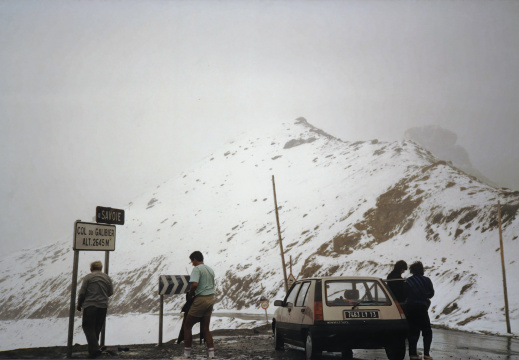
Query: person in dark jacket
{"type": "Point", "coordinates": [419, 290]}
{"type": "Point", "coordinates": [396, 283]}
{"type": "Point", "coordinates": [93, 299]}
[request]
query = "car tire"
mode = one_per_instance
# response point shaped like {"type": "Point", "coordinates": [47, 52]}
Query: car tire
{"type": "Point", "coordinates": [279, 343]}
{"type": "Point", "coordinates": [312, 350]}
{"type": "Point", "coordinates": [347, 354]}
{"type": "Point", "coordinates": [395, 349]}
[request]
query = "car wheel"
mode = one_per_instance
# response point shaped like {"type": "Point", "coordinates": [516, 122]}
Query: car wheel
{"type": "Point", "coordinates": [395, 349]}
{"type": "Point", "coordinates": [312, 350]}
{"type": "Point", "coordinates": [347, 354]}
{"type": "Point", "coordinates": [278, 339]}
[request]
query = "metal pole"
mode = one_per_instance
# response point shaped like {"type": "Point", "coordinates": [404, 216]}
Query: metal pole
{"type": "Point", "coordinates": [72, 303]}
{"type": "Point", "coordinates": [107, 261]}
{"type": "Point", "coordinates": [161, 316]}
{"type": "Point", "coordinates": [505, 291]}
{"type": "Point", "coordinates": [279, 236]}
{"type": "Point", "coordinates": [107, 267]}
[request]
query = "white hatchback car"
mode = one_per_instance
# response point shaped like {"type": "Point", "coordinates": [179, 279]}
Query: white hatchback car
{"type": "Point", "coordinates": [339, 314]}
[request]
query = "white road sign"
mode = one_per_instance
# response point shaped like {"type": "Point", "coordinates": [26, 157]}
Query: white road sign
{"type": "Point", "coordinates": [291, 279]}
{"type": "Point", "coordinates": [95, 237]}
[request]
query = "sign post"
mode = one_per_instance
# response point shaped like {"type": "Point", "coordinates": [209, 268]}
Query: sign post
{"type": "Point", "coordinates": [72, 305]}
{"type": "Point", "coordinates": [107, 266]}
{"type": "Point", "coordinates": [108, 215]}
{"type": "Point", "coordinates": [88, 237]}
{"type": "Point", "coordinates": [264, 303]}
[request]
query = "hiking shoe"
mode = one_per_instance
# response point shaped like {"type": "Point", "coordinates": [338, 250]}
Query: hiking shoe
{"type": "Point", "coordinates": [427, 357]}
{"type": "Point", "coordinates": [95, 355]}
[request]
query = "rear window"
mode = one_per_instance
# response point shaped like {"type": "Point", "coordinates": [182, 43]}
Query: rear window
{"type": "Point", "coordinates": [355, 292]}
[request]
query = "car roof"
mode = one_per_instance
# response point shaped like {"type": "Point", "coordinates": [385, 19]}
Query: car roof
{"type": "Point", "coordinates": [342, 278]}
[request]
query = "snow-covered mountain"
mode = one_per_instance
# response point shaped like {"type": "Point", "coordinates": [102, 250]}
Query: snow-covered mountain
{"type": "Point", "coordinates": [346, 208]}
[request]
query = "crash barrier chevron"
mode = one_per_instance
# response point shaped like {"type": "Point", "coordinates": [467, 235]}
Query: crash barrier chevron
{"type": "Point", "coordinates": [170, 285]}
{"type": "Point", "coordinates": [173, 284]}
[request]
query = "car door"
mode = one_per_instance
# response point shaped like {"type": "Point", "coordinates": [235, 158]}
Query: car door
{"type": "Point", "coordinates": [291, 320]}
{"type": "Point", "coordinates": [302, 314]}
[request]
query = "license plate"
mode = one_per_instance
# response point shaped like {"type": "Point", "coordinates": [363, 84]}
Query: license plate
{"type": "Point", "coordinates": [361, 315]}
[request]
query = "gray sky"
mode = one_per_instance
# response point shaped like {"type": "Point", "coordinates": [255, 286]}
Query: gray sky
{"type": "Point", "coordinates": [103, 100]}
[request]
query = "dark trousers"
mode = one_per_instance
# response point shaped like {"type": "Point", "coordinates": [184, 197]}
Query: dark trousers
{"type": "Point", "coordinates": [93, 321]}
{"type": "Point", "coordinates": [418, 319]}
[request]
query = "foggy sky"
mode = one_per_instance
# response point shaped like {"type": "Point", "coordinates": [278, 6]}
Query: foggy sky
{"type": "Point", "coordinates": [103, 100]}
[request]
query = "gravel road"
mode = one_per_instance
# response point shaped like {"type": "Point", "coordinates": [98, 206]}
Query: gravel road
{"type": "Point", "coordinates": [230, 344]}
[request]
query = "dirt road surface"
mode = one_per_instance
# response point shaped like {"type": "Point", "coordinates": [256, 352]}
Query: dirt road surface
{"type": "Point", "coordinates": [258, 344]}
{"type": "Point", "coordinates": [230, 344]}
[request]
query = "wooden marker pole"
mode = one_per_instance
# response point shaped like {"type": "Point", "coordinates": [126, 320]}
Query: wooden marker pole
{"type": "Point", "coordinates": [279, 236]}
{"type": "Point", "coordinates": [505, 291]}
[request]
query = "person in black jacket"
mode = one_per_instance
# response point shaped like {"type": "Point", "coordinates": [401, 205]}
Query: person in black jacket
{"type": "Point", "coordinates": [419, 290]}
{"type": "Point", "coordinates": [397, 283]}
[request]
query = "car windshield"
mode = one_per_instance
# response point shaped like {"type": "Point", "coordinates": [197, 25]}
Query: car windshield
{"type": "Point", "coordinates": [355, 293]}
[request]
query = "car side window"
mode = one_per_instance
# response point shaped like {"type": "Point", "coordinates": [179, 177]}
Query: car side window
{"type": "Point", "coordinates": [301, 298]}
{"type": "Point", "coordinates": [293, 293]}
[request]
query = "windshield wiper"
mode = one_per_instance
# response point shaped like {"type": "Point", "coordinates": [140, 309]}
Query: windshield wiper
{"type": "Point", "coordinates": [356, 304]}
{"type": "Point", "coordinates": [370, 302]}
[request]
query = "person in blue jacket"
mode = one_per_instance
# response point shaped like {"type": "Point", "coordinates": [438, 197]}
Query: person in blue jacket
{"type": "Point", "coordinates": [419, 291]}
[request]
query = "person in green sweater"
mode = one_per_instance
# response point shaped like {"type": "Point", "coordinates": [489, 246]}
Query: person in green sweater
{"type": "Point", "coordinates": [202, 290]}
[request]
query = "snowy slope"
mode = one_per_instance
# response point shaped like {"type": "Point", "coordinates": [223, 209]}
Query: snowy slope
{"type": "Point", "coordinates": [345, 208]}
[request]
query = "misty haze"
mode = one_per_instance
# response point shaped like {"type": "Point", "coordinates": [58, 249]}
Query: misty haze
{"type": "Point", "coordinates": [390, 127]}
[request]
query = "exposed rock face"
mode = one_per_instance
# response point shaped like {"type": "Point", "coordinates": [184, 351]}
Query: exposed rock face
{"type": "Point", "coordinates": [443, 144]}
